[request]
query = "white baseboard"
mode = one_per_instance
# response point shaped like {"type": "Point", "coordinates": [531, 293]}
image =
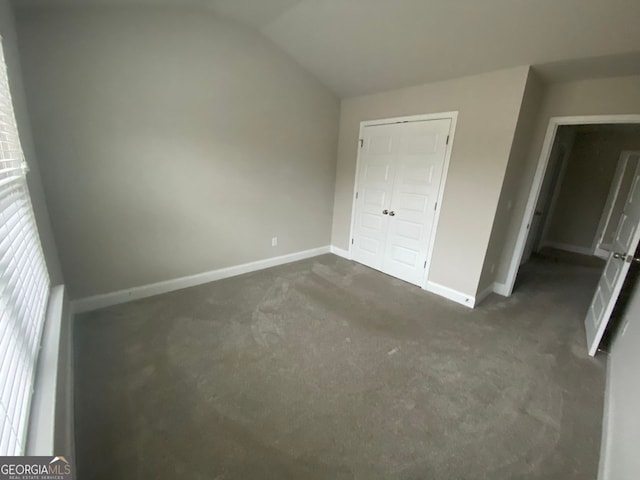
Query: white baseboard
{"type": "Point", "coordinates": [501, 289]}
{"type": "Point", "coordinates": [122, 296]}
{"type": "Point", "coordinates": [340, 252]}
{"type": "Point", "coordinates": [569, 248]}
{"type": "Point", "coordinates": [451, 294]}
{"type": "Point", "coordinates": [607, 418]}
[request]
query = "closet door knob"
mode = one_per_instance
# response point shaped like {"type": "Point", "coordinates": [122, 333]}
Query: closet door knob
{"type": "Point", "coordinates": [392, 213]}
{"type": "Point", "coordinates": [384, 212]}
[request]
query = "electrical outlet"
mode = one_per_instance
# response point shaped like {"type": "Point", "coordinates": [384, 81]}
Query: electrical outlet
{"type": "Point", "coordinates": [274, 242]}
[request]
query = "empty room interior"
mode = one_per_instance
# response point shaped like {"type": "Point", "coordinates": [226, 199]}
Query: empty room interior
{"type": "Point", "coordinates": [339, 239]}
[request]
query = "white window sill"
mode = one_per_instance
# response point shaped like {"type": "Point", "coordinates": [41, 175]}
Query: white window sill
{"type": "Point", "coordinates": [40, 437]}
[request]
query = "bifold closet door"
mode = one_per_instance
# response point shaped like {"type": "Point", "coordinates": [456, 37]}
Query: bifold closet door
{"type": "Point", "coordinates": [401, 167]}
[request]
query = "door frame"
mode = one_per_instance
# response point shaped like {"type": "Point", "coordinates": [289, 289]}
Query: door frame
{"type": "Point", "coordinates": [541, 168]}
{"type": "Point", "coordinates": [453, 117]}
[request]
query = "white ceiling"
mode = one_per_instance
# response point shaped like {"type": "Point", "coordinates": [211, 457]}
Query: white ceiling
{"type": "Point", "coordinates": [364, 46]}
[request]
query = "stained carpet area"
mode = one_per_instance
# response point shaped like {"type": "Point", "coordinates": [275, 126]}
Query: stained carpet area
{"type": "Point", "coordinates": [325, 369]}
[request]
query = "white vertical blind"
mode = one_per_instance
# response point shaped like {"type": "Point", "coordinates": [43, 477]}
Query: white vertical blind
{"type": "Point", "coordinates": [24, 282]}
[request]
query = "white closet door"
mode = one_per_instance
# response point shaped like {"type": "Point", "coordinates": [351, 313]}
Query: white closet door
{"type": "Point", "coordinates": [375, 183]}
{"type": "Point", "coordinates": [419, 163]}
{"type": "Point", "coordinates": [401, 168]}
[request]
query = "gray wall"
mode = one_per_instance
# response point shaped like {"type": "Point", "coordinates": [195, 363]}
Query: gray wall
{"type": "Point", "coordinates": [488, 107]}
{"type": "Point", "coordinates": [562, 146]}
{"type": "Point", "coordinates": [618, 95]}
{"type": "Point", "coordinates": [10, 45]}
{"type": "Point", "coordinates": [585, 186]}
{"type": "Point", "coordinates": [501, 233]}
{"type": "Point", "coordinates": [173, 143]}
{"type": "Point", "coordinates": [621, 430]}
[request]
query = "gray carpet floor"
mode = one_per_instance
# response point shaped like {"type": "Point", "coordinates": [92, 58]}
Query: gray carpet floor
{"type": "Point", "coordinates": [325, 369]}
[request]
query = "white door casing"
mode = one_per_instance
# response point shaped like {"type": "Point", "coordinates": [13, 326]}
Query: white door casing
{"type": "Point", "coordinates": [400, 177]}
{"type": "Point", "coordinates": [615, 271]}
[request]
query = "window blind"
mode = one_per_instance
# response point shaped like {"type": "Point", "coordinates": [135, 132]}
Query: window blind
{"type": "Point", "coordinates": [24, 282]}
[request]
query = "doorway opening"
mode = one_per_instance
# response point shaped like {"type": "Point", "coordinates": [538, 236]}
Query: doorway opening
{"type": "Point", "coordinates": [588, 179]}
{"type": "Point", "coordinates": [584, 209]}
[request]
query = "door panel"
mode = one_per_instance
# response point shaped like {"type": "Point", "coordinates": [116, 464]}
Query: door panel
{"type": "Point", "coordinates": [375, 182]}
{"type": "Point", "coordinates": [616, 200]}
{"type": "Point", "coordinates": [615, 271]}
{"type": "Point", "coordinates": [419, 164]}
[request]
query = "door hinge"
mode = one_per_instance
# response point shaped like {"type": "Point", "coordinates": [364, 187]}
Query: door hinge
{"type": "Point", "coordinates": [447, 140]}
{"type": "Point", "coordinates": [356, 195]}
{"type": "Point", "coordinates": [425, 264]}
{"type": "Point", "coordinates": [435, 207]}
{"type": "Point", "coordinates": [361, 143]}
{"type": "Point", "coordinates": [352, 241]}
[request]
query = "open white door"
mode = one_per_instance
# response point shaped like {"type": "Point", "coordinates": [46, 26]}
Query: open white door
{"type": "Point", "coordinates": [618, 193]}
{"type": "Point", "coordinates": [625, 243]}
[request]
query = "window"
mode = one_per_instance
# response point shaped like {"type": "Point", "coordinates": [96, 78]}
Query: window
{"type": "Point", "coordinates": [24, 282]}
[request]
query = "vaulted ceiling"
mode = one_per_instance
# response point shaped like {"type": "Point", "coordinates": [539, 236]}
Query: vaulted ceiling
{"type": "Point", "coordinates": [363, 46]}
